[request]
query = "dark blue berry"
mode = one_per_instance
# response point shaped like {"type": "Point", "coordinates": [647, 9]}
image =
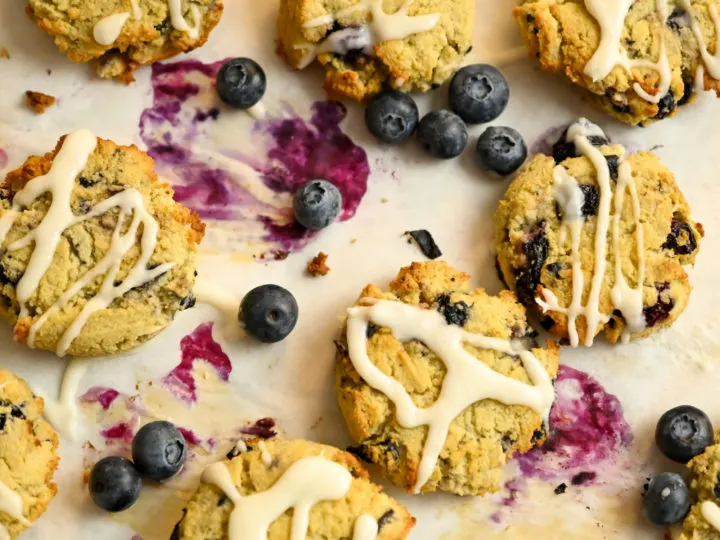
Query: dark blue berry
{"type": "Point", "coordinates": [241, 83]}
{"type": "Point", "coordinates": [391, 116]}
{"type": "Point", "coordinates": [681, 239]}
{"type": "Point", "coordinates": [591, 199]}
{"type": "Point", "coordinates": [683, 433]}
{"type": "Point", "coordinates": [159, 450]}
{"type": "Point", "coordinates": [501, 150]}
{"type": "Point", "coordinates": [660, 311]}
{"type": "Point", "coordinates": [666, 105]}
{"type": "Point", "coordinates": [269, 313]}
{"type": "Point", "coordinates": [443, 134]}
{"type": "Point", "coordinates": [478, 93]}
{"type": "Point", "coordinates": [535, 249]}
{"type": "Point", "coordinates": [114, 484]}
{"type": "Point", "coordinates": [667, 499]}
{"type": "Point", "coordinates": [678, 19]}
{"type": "Point", "coordinates": [317, 204]}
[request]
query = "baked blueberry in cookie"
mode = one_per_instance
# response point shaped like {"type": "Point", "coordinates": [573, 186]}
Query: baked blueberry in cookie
{"type": "Point", "coordinates": [367, 45]}
{"type": "Point", "coordinates": [440, 384]}
{"type": "Point", "coordinates": [291, 489]}
{"type": "Point", "coordinates": [117, 37]}
{"type": "Point", "coordinates": [596, 239]}
{"type": "Point", "coordinates": [703, 520]}
{"type": "Point", "coordinates": [96, 256]}
{"type": "Point", "coordinates": [638, 61]}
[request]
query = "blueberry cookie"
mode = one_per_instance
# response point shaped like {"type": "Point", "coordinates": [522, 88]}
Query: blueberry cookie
{"type": "Point", "coordinates": [440, 384]}
{"type": "Point", "coordinates": [118, 36]}
{"type": "Point", "coordinates": [410, 45]}
{"type": "Point", "coordinates": [95, 255]}
{"type": "Point", "coordinates": [268, 489]}
{"type": "Point", "coordinates": [703, 521]}
{"type": "Point", "coordinates": [28, 456]}
{"type": "Point", "coordinates": [597, 238]}
{"type": "Point", "coordinates": [638, 61]}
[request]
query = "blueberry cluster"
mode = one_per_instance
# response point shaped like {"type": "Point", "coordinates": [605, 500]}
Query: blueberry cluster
{"type": "Point", "coordinates": [158, 453]}
{"type": "Point", "coordinates": [681, 434]}
{"type": "Point", "coordinates": [478, 94]}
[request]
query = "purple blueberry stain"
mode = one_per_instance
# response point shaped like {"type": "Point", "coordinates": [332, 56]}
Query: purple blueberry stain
{"type": "Point", "coordinates": [191, 437]}
{"type": "Point", "coordinates": [101, 395]}
{"type": "Point", "coordinates": [245, 186]}
{"type": "Point", "coordinates": [263, 429]}
{"type": "Point", "coordinates": [122, 431]}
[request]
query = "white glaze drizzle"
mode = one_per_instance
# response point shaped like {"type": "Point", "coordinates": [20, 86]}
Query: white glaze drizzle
{"type": "Point", "coordinates": [711, 61]}
{"type": "Point", "coordinates": [700, 79]}
{"type": "Point", "coordinates": [305, 483]}
{"type": "Point", "coordinates": [383, 27]}
{"type": "Point", "coordinates": [625, 298]}
{"type": "Point", "coordinates": [264, 454]}
{"type": "Point", "coordinates": [136, 9]}
{"type": "Point", "coordinates": [108, 29]}
{"type": "Point", "coordinates": [59, 182]}
{"type": "Point", "coordinates": [62, 412]}
{"type": "Point", "coordinates": [366, 528]}
{"type": "Point", "coordinates": [468, 380]}
{"type": "Point", "coordinates": [178, 19]}
{"type": "Point", "coordinates": [711, 512]}
{"type": "Point", "coordinates": [12, 504]}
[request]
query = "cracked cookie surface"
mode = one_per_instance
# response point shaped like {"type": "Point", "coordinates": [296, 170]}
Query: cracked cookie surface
{"type": "Point", "coordinates": [484, 435]}
{"type": "Point", "coordinates": [704, 488]}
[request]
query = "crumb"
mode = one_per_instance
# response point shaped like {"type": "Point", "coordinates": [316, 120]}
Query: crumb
{"type": "Point", "coordinates": [274, 255]}
{"type": "Point", "coordinates": [38, 102]}
{"type": "Point", "coordinates": [384, 200]}
{"type": "Point", "coordinates": [4, 53]}
{"type": "Point", "coordinates": [353, 241]}
{"type": "Point", "coordinates": [86, 476]}
{"type": "Point", "coordinates": [425, 242]}
{"type": "Point", "coordinates": [48, 71]}
{"type": "Point", "coordinates": [316, 423]}
{"type": "Point", "coordinates": [561, 489]}
{"type": "Point", "coordinates": [318, 266]}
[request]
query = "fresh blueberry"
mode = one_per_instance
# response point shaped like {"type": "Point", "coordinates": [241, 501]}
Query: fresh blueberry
{"type": "Point", "coordinates": [391, 116]}
{"type": "Point", "coordinates": [501, 150]}
{"type": "Point", "coordinates": [269, 313]}
{"type": "Point", "coordinates": [683, 433]}
{"type": "Point", "coordinates": [478, 93]}
{"type": "Point", "coordinates": [159, 450]}
{"type": "Point", "coordinates": [114, 484]}
{"type": "Point", "coordinates": [317, 204]}
{"type": "Point", "coordinates": [443, 134]}
{"type": "Point", "coordinates": [667, 499]}
{"type": "Point", "coordinates": [241, 83]}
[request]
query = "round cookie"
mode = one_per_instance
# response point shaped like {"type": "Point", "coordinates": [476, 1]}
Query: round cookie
{"type": "Point", "coordinates": [262, 465]}
{"type": "Point", "coordinates": [566, 38]}
{"type": "Point", "coordinates": [704, 491]}
{"type": "Point", "coordinates": [364, 46]}
{"type": "Point", "coordinates": [428, 307]}
{"type": "Point", "coordinates": [536, 226]}
{"type": "Point", "coordinates": [76, 275]}
{"type": "Point", "coordinates": [28, 455]}
{"type": "Point", "coordinates": [118, 36]}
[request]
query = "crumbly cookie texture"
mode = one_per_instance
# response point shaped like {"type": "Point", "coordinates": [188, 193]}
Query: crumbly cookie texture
{"type": "Point", "coordinates": [532, 254]}
{"type": "Point", "coordinates": [207, 514]}
{"type": "Point", "coordinates": [419, 62]}
{"type": "Point", "coordinates": [142, 312]}
{"type": "Point", "coordinates": [703, 487]}
{"type": "Point", "coordinates": [146, 40]}
{"type": "Point", "coordinates": [563, 36]}
{"type": "Point", "coordinates": [485, 435]}
{"type": "Point", "coordinates": [28, 451]}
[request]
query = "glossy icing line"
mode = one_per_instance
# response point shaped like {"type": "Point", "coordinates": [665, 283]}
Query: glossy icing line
{"type": "Point", "coordinates": [711, 61]}
{"type": "Point", "coordinates": [366, 528]}
{"type": "Point", "coordinates": [136, 9]}
{"type": "Point", "coordinates": [467, 380]}
{"type": "Point", "coordinates": [711, 512]}
{"type": "Point", "coordinates": [60, 182]}
{"type": "Point", "coordinates": [108, 29]}
{"type": "Point", "coordinates": [61, 413]}
{"type": "Point", "coordinates": [178, 19]}
{"type": "Point", "coordinates": [12, 504]}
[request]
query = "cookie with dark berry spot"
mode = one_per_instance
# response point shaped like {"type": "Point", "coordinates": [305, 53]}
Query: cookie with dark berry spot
{"type": "Point", "coordinates": [596, 240]}
{"type": "Point", "coordinates": [28, 456]}
{"type": "Point", "coordinates": [429, 307]}
{"type": "Point", "coordinates": [260, 466]}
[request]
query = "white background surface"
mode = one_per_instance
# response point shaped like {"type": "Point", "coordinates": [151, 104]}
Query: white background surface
{"type": "Point", "coordinates": [292, 381]}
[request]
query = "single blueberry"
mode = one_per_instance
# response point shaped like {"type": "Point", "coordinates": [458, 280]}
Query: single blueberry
{"type": "Point", "coordinates": [114, 484]}
{"type": "Point", "coordinates": [269, 313]}
{"type": "Point", "coordinates": [683, 433]}
{"type": "Point", "coordinates": [501, 150]}
{"type": "Point", "coordinates": [317, 204]}
{"type": "Point", "coordinates": [478, 93]}
{"type": "Point", "coordinates": [666, 105]}
{"type": "Point", "coordinates": [391, 116]}
{"type": "Point", "coordinates": [660, 311]}
{"type": "Point", "coordinates": [667, 499]}
{"type": "Point", "coordinates": [241, 83]}
{"type": "Point", "coordinates": [591, 199]}
{"type": "Point", "coordinates": [443, 134]}
{"type": "Point", "coordinates": [159, 450]}
{"type": "Point", "coordinates": [536, 248]}
{"type": "Point", "coordinates": [681, 239]}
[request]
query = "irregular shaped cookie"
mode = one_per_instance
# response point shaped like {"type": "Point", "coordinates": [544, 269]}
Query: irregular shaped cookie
{"type": "Point", "coordinates": [597, 237]}
{"type": "Point", "coordinates": [638, 61]}
{"type": "Point", "coordinates": [703, 521]}
{"type": "Point", "coordinates": [437, 382]}
{"type": "Point", "coordinates": [95, 256]}
{"type": "Point", "coordinates": [408, 44]}
{"type": "Point", "coordinates": [28, 456]}
{"type": "Point", "coordinates": [118, 36]}
{"type": "Point", "coordinates": [275, 487]}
